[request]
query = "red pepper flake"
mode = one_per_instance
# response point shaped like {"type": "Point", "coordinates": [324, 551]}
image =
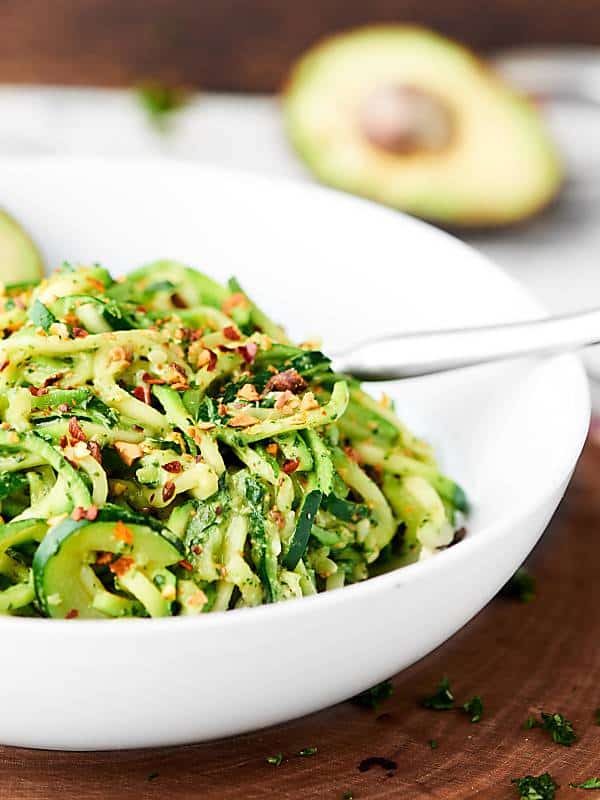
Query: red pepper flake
{"type": "Point", "coordinates": [248, 352]}
{"type": "Point", "coordinates": [172, 466]}
{"type": "Point", "coordinates": [38, 391]}
{"type": "Point", "coordinates": [352, 454]}
{"type": "Point", "coordinates": [95, 451]}
{"type": "Point", "coordinates": [91, 513]}
{"type": "Point", "coordinates": [103, 557]}
{"type": "Point", "coordinates": [4, 365]}
{"type": "Point", "coordinates": [149, 379]}
{"type": "Point", "coordinates": [121, 565]}
{"type": "Point", "coordinates": [186, 565]}
{"type": "Point", "coordinates": [290, 465]}
{"type": "Point", "coordinates": [143, 393]}
{"type": "Point", "coordinates": [231, 333]}
{"type": "Point", "coordinates": [63, 408]}
{"type": "Point", "coordinates": [80, 333]}
{"type": "Point", "coordinates": [178, 301]}
{"type": "Point", "coordinates": [78, 513]}
{"type": "Point", "coordinates": [75, 431]}
{"type": "Point", "coordinates": [72, 614]}
{"type": "Point", "coordinates": [168, 491]}
{"type": "Point", "coordinates": [123, 533]}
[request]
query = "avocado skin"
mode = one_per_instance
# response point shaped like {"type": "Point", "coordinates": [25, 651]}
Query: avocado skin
{"type": "Point", "coordinates": [20, 260]}
{"type": "Point", "coordinates": [445, 199]}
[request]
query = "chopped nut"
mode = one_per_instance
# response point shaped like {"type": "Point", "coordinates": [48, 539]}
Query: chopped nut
{"type": "Point", "coordinates": [129, 452]}
{"type": "Point", "coordinates": [206, 358]}
{"type": "Point", "coordinates": [242, 421]}
{"type": "Point", "coordinates": [308, 402]}
{"type": "Point", "coordinates": [75, 430]}
{"type": "Point", "coordinates": [248, 392]}
{"type": "Point", "coordinates": [235, 300]}
{"type": "Point", "coordinates": [172, 466]}
{"type": "Point", "coordinates": [289, 380]}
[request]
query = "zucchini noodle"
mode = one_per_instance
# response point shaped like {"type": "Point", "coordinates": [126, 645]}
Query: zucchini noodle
{"type": "Point", "coordinates": [165, 450]}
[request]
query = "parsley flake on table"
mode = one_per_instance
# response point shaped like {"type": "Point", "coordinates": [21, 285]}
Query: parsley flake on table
{"type": "Point", "coordinates": [433, 744]}
{"type": "Point", "coordinates": [375, 696]}
{"type": "Point", "coordinates": [597, 716]}
{"type": "Point", "coordinates": [558, 726]}
{"type": "Point", "coordinates": [348, 796]}
{"type": "Point", "coordinates": [474, 708]}
{"type": "Point", "coordinates": [540, 787]}
{"type": "Point", "coordinates": [591, 783]}
{"type": "Point", "coordinates": [160, 101]}
{"type": "Point", "coordinates": [520, 587]}
{"type": "Point", "coordinates": [275, 760]}
{"type": "Point", "coordinates": [308, 751]}
{"type": "Point", "coordinates": [442, 699]}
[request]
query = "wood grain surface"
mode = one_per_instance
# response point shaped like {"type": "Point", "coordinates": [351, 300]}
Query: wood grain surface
{"type": "Point", "coordinates": [519, 658]}
{"type": "Point", "coordinates": [245, 44]}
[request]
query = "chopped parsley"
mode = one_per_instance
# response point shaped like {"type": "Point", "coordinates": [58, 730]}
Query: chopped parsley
{"type": "Point", "coordinates": [474, 708]}
{"type": "Point", "coordinates": [308, 751]}
{"type": "Point", "coordinates": [160, 102]}
{"type": "Point", "coordinates": [275, 760]}
{"type": "Point", "coordinates": [591, 783]}
{"type": "Point", "coordinates": [597, 716]}
{"type": "Point", "coordinates": [41, 316]}
{"type": "Point", "coordinates": [541, 787]}
{"type": "Point", "coordinates": [433, 744]}
{"type": "Point", "coordinates": [520, 587]}
{"type": "Point", "coordinates": [558, 726]}
{"type": "Point", "coordinates": [375, 696]}
{"type": "Point", "coordinates": [442, 699]}
{"type": "Point", "coordinates": [348, 795]}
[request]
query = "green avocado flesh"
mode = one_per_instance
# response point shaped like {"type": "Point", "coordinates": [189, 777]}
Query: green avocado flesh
{"type": "Point", "coordinates": [20, 261]}
{"type": "Point", "coordinates": [481, 156]}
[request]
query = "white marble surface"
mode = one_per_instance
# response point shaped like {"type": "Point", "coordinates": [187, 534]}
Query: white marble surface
{"type": "Point", "coordinates": [556, 256]}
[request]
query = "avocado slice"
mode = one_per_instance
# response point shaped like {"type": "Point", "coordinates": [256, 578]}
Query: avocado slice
{"type": "Point", "coordinates": [20, 260]}
{"type": "Point", "coordinates": [410, 119]}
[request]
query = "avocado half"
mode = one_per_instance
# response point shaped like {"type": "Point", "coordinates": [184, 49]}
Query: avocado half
{"type": "Point", "coordinates": [410, 119]}
{"type": "Point", "coordinates": [20, 260]}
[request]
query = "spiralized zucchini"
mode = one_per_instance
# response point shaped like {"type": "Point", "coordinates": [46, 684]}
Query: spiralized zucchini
{"type": "Point", "coordinates": [166, 450]}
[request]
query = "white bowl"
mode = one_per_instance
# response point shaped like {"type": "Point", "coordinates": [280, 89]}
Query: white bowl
{"type": "Point", "coordinates": [322, 263]}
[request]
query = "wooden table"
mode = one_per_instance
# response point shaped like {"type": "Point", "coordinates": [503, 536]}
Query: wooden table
{"type": "Point", "coordinates": [519, 658]}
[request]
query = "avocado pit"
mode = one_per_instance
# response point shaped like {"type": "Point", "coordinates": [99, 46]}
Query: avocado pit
{"type": "Point", "coordinates": [405, 119]}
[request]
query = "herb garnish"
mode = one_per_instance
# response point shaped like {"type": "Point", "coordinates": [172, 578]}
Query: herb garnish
{"type": "Point", "coordinates": [433, 744]}
{"type": "Point", "coordinates": [41, 316]}
{"type": "Point", "coordinates": [348, 795]}
{"type": "Point", "coordinates": [558, 726]}
{"type": "Point", "coordinates": [160, 101]}
{"type": "Point", "coordinates": [275, 760]}
{"type": "Point", "coordinates": [597, 716]}
{"type": "Point", "coordinates": [474, 708]}
{"type": "Point", "coordinates": [520, 587]}
{"type": "Point", "coordinates": [591, 783]}
{"type": "Point", "coordinates": [442, 699]}
{"type": "Point", "coordinates": [373, 697]}
{"type": "Point", "coordinates": [531, 787]}
{"type": "Point", "coordinates": [308, 751]}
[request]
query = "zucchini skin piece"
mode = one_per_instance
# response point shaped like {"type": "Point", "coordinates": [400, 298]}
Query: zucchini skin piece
{"type": "Point", "coordinates": [60, 558]}
{"type": "Point", "coordinates": [299, 541]}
